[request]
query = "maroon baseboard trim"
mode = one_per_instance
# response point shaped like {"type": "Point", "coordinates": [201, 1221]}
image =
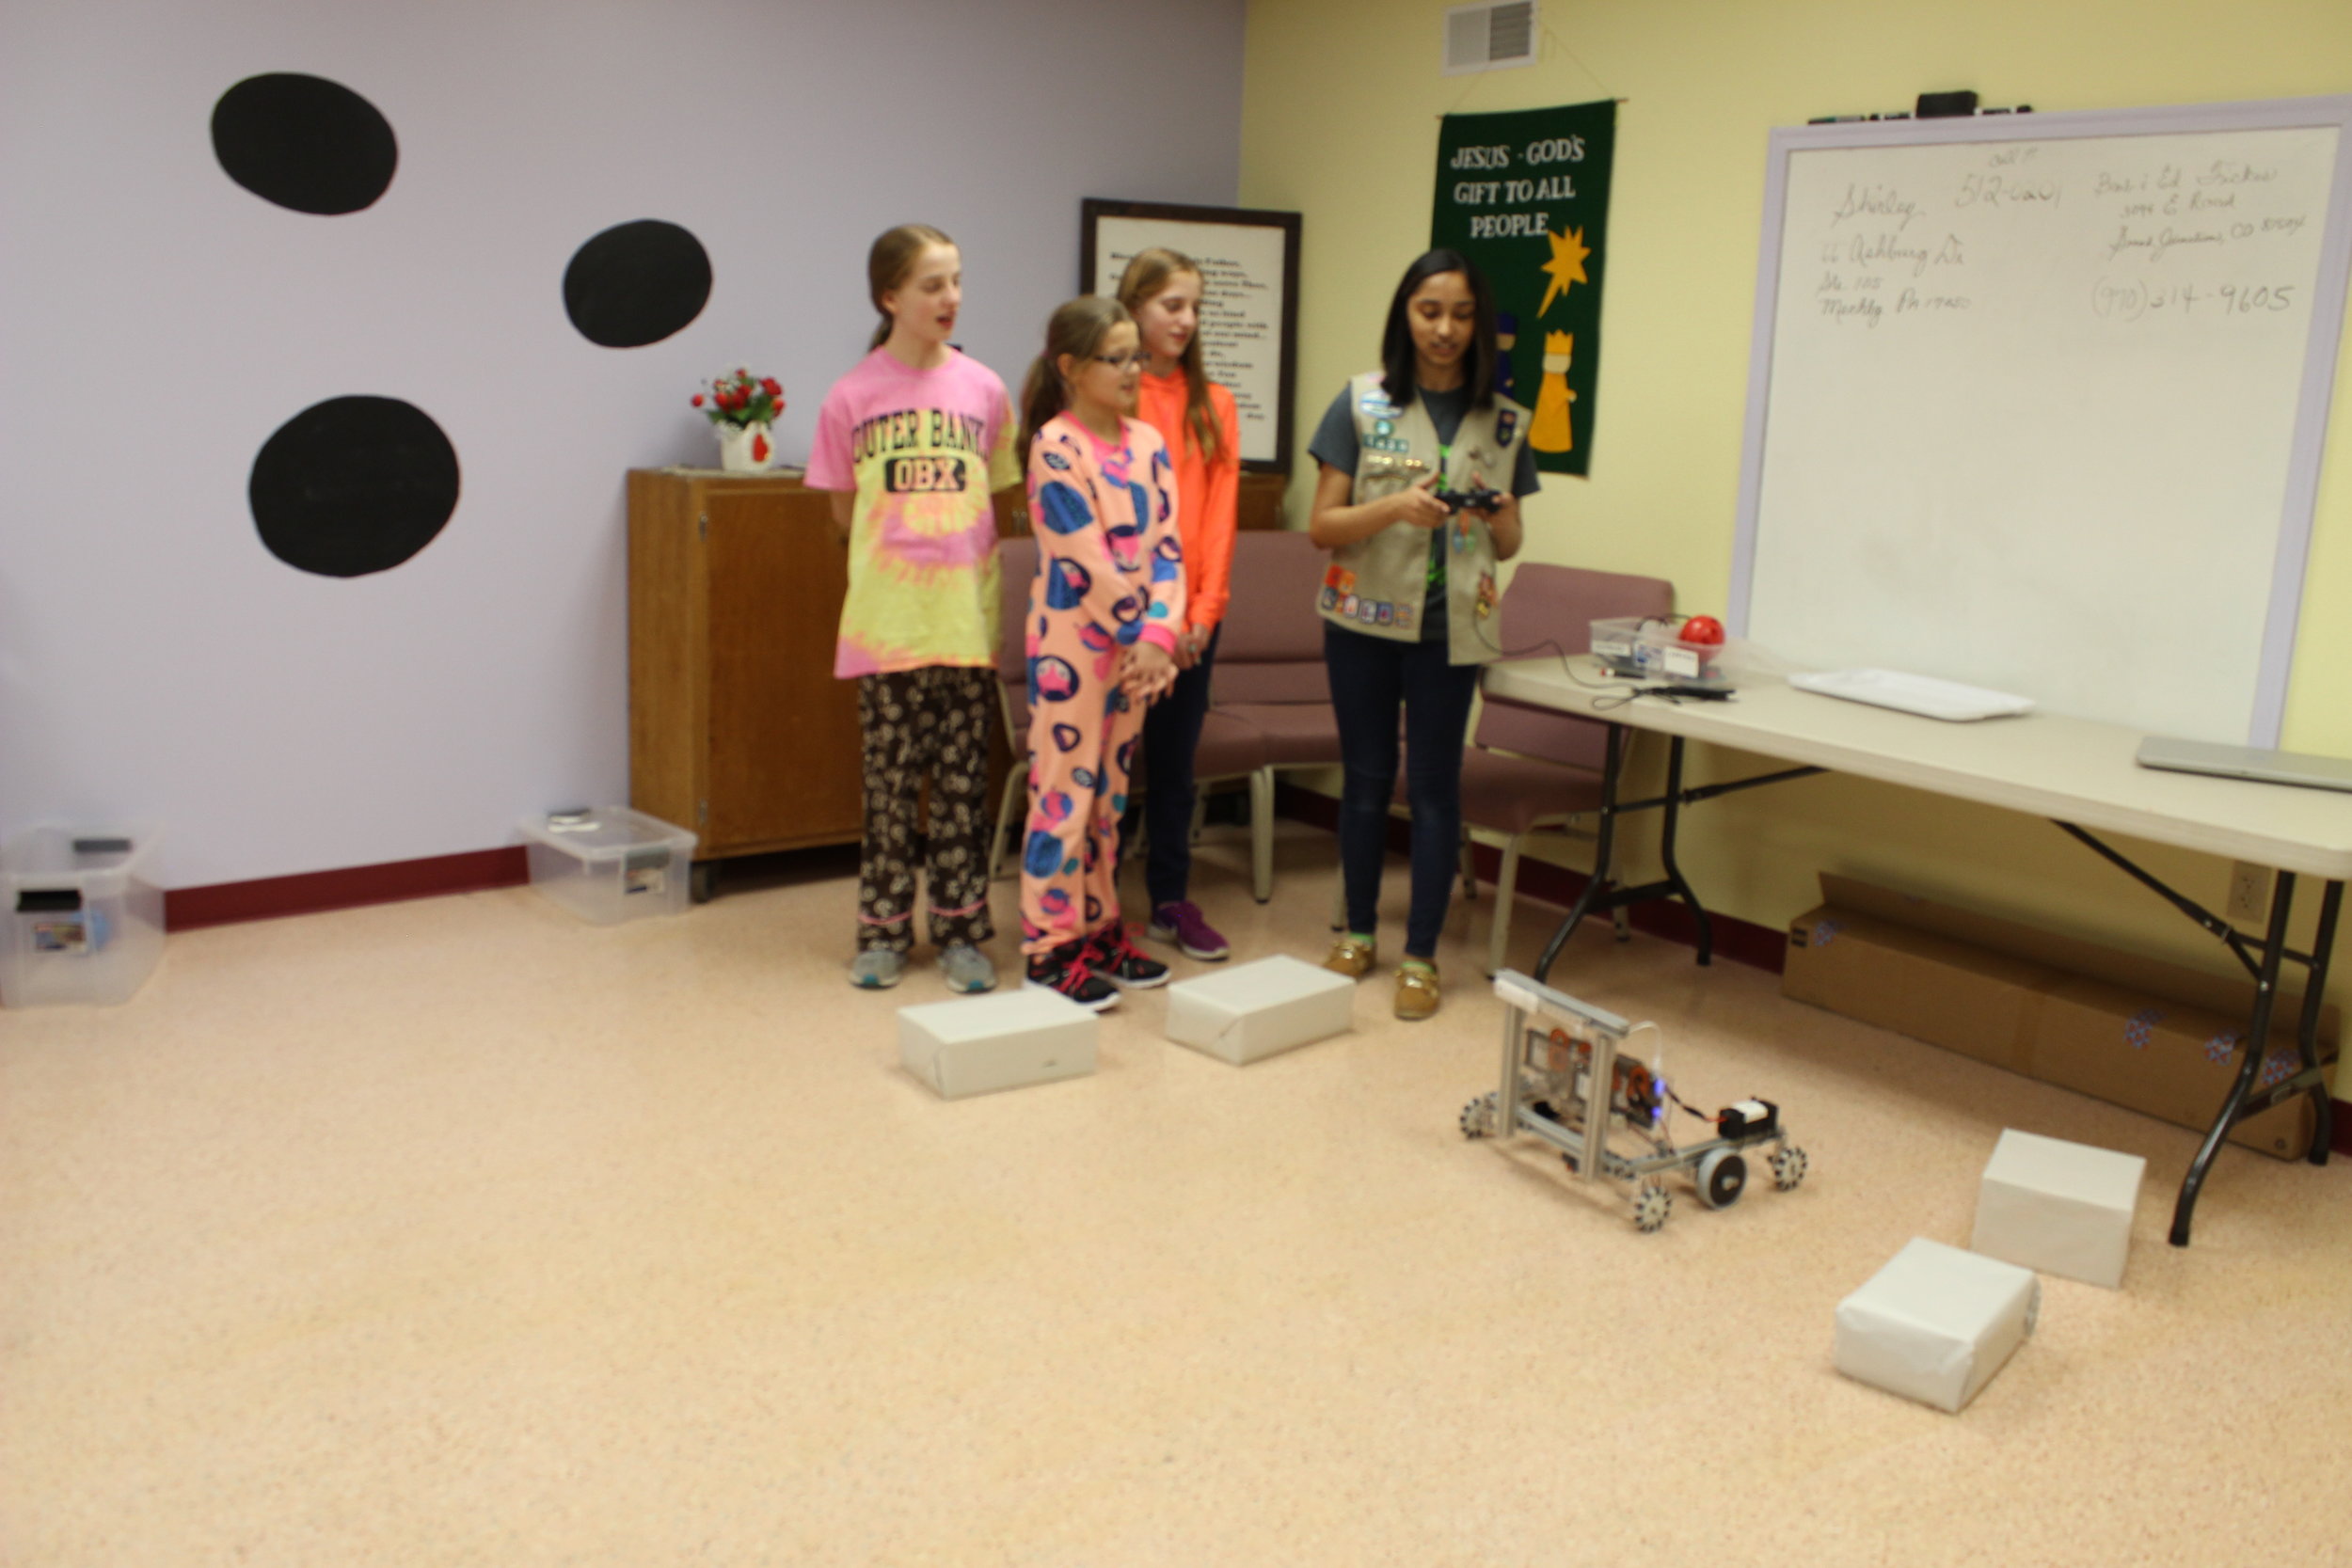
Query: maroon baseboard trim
{"type": "Point", "coordinates": [1740, 941]}
{"type": "Point", "coordinates": [314, 892]}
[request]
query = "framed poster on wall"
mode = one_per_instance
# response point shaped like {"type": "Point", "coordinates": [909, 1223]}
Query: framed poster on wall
{"type": "Point", "coordinates": [1248, 300]}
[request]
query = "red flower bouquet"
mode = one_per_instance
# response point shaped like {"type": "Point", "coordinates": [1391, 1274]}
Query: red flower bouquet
{"type": "Point", "coordinates": [741, 400]}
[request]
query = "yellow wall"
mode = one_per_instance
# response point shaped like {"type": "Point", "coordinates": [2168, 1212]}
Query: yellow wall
{"type": "Point", "coordinates": [1341, 106]}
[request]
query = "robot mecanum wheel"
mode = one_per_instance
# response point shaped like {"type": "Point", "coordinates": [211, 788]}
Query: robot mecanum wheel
{"type": "Point", "coordinates": [1652, 1203]}
{"type": "Point", "coordinates": [1721, 1178]}
{"type": "Point", "coordinates": [1478, 1117]}
{"type": "Point", "coordinates": [1788, 1167]}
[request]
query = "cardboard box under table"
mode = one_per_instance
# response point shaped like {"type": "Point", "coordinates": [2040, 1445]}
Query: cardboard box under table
{"type": "Point", "coordinates": [1255, 1010]}
{"type": "Point", "coordinates": [2135, 1031]}
{"type": "Point", "coordinates": [1004, 1042]}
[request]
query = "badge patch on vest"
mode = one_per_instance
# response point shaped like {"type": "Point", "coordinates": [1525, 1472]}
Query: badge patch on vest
{"type": "Point", "coordinates": [1388, 614]}
{"type": "Point", "coordinates": [1404, 617]}
{"type": "Point", "coordinates": [1506, 421]}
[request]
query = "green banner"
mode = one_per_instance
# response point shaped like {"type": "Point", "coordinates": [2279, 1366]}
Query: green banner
{"type": "Point", "coordinates": [1525, 195]}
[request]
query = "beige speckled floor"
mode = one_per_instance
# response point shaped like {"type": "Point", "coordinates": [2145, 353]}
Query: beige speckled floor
{"type": "Point", "coordinates": [460, 1232]}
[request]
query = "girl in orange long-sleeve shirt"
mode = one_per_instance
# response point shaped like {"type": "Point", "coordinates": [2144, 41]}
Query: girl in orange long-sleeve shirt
{"type": "Point", "coordinates": [1196, 417]}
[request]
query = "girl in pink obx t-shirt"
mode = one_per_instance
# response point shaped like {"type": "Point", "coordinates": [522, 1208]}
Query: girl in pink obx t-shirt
{"type": "Point", "coordinates": [911, 443]}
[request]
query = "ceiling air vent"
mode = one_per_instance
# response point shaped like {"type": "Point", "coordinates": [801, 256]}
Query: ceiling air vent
{"type": "Point", "coordinates": [1489, 37]}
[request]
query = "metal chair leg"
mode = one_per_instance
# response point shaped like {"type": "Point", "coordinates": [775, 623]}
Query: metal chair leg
{"type": "Point", "coordinates": [1506, 894]}
{"type": "Point", "coordinates": [1016, 787]}
{"type": "Point", "coordinates": [1469, 866]}
{"type": "Point", "coordinates": [1261, 834]}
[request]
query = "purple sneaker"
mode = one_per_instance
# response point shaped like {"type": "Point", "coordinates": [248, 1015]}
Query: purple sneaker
{"type": "Point", "coordinates": [1181, 923]}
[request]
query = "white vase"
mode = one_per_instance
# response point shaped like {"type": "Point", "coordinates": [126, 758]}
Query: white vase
{"type": "Point", "coordinates": [746, 449]}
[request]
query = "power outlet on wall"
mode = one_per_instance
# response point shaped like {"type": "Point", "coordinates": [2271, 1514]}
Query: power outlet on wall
{"type": "Point", "coordinates": [2249, 892]}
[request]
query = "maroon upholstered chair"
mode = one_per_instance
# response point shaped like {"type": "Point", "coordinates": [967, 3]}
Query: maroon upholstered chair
{"type": "Point", "coordinates": [1532, 770]}
{"type": "Point", "coordinates": [1228, 749]}
{"type": "Point", "coordinates": [1269, 675]}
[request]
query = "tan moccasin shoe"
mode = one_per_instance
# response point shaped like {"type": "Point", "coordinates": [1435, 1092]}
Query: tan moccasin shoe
{"type": "Point", "coordinates": [1351, 956]}
{"type": "Point", "coordinates": [1416, 989]}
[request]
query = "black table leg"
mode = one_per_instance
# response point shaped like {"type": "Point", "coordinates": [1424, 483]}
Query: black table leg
{"type": "Point", "coordinates": [2257, 1047]}
{"type": "Point", "coordinates": [2307, 1032]}
{"type": "Point", "coordinates": [1666, 852]}
{"type": "Point", "coordinates": [1604, 852]}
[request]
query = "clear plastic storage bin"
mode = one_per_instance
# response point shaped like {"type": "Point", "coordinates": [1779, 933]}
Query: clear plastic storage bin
{"type": "Point", "coordinates": [84, 917]}
{"type": "Point", "coordinates": [609, 864]}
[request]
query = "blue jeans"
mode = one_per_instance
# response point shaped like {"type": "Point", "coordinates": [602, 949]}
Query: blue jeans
{"type": "Point", "coordinates": [1372, 678]}
{"type": "Point", "coordinates": [1171, 730]}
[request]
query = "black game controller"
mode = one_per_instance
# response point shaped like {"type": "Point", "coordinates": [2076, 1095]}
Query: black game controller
{"type": "Point", "coordinates": [1479, 500]}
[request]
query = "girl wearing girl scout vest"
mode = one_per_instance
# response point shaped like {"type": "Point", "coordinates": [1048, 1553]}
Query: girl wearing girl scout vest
{"type": "Point", "coordinates": [1417, 500]}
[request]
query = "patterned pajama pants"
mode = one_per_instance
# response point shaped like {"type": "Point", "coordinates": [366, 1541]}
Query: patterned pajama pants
{"type": "Point", "coordinates": [929, 723]}
{"type": "Point", "coordinates": [1082, 747]}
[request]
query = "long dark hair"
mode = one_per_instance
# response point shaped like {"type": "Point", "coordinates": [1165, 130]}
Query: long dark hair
{"type": "Point", "coordinates": [1076, 330]}
{"type": "Point", "coordinates": [1149, 270]}
{"type": "Point", "coordinates": [1396, 343]}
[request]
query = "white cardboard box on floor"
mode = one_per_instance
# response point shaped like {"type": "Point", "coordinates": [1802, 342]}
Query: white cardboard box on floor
{"type": "Point", "coordinates": [1255, 1010]}
{"type": "Point", "coordinates": [2058, 1206]}
{"type": "Point", "coordinates": [1004, 1042]}
{"type": "Point", "coordinates": [1936, 1323]}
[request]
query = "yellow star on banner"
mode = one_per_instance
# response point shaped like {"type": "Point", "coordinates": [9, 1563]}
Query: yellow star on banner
{"type": "Point", "coordinates": [1567, 265]}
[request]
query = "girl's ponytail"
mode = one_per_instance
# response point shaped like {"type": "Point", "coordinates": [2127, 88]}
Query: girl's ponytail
{"type": "Point", "coordinates": [1076, 330]}
{"type": "Point", "coordinates": [889, 263]}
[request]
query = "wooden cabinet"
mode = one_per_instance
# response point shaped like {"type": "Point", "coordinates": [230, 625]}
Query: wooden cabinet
{"type": "Point", "coordinates": [736, 727]}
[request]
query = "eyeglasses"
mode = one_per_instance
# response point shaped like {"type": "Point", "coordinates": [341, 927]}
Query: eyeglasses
{"type": "Point", "coordinates": [1121, 361]}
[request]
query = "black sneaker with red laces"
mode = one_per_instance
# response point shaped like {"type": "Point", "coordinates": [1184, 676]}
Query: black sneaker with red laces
{"type": "Point", "coordinates": [1069, 971]}
{"type": "Point", "coordinates": [1122, 962]}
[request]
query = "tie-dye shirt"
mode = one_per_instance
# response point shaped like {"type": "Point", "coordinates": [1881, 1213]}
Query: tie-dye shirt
{"type": "Point", "coordinates": [1110, 561]}
{"type": "Point", "coordinates": [923, 449]}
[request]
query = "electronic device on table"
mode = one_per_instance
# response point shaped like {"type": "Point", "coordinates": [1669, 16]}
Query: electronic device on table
{"type": "Point", "coordinates": [1568, 1081]}
{"type": "Point", "coordinates": [2246, 762]}
{"type": "Point", "coordinates": [1680, 651]}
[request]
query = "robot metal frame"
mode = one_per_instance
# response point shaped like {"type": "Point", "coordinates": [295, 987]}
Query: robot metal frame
{"type": "Point", "coordinates": [1566, 1080]}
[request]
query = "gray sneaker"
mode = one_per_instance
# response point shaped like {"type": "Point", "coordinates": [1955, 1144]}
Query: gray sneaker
{"type": "Point", "coordinates": [966, 967]}
{"type": "Point", "coordinates": [877, 969]}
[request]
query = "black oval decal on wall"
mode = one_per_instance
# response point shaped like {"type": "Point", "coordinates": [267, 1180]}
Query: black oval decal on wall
{"type": "Point", "coordinates": [303, 142]}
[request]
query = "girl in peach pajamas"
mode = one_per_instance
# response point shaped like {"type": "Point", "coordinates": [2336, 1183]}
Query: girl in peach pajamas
{"type": "Point", "coordinates": [1105, 612]}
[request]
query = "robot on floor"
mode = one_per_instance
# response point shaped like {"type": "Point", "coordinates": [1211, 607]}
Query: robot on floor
{"type": "Point", "coordinates": [1558, 1052]}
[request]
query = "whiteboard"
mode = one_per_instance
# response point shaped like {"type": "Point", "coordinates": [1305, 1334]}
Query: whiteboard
{"type": "Point", "coordinates": [2037, 403]}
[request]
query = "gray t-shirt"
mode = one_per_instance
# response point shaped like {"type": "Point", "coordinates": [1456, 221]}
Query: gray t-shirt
{"type": "Point", "coordinates": [1335, 443]}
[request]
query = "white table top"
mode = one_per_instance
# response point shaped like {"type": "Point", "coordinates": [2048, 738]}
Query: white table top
{"type": "Point", "coordinates": [2068, 769]}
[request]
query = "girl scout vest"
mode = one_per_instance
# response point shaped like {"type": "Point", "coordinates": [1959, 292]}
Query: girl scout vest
{"type": "Point", "coordinates": [1378, 585]}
